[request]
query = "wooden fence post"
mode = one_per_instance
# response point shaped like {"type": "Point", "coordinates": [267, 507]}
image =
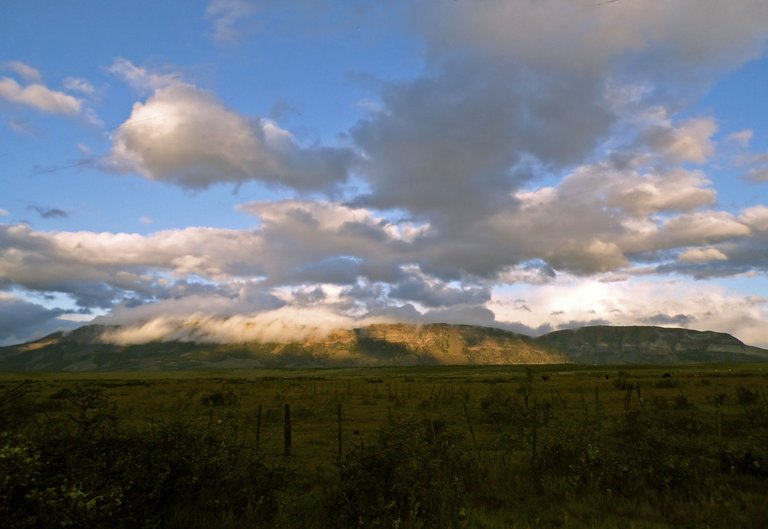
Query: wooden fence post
{"type": "Point", "coordinates": [287, 432]}
{"type": "Point", "coordinates": [258, 427]}
{"type": "Point", "coordinates": [338, 420]}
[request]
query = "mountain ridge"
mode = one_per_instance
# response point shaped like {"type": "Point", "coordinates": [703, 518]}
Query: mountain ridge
{"type": "Point", "coordinates": [83, 349]}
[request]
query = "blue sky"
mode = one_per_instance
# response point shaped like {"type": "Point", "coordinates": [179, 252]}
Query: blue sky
{"type": "Point", "coordinates": [310, 164]}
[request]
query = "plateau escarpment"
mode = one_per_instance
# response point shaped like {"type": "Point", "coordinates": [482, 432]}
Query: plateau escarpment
{"type": "Point", "coordinates": [89, 348]}
{"type": "Point", "coordinates": [649, 345]}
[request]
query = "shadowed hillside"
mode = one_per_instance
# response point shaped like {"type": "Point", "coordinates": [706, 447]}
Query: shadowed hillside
{"type": "Point", "coordinates": [648, 345]}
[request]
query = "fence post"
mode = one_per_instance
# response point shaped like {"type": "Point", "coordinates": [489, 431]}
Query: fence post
{"type": "Point", "coordinates": [287, 432]}
{"type": "Point", "coordinates": [471, 430]}
{"type": "Point", "coordinates": [338, 420]}
{"type": "Point", "coordinates": [534, 435]}
{"type": "Point", "coordinates": [258, 427]}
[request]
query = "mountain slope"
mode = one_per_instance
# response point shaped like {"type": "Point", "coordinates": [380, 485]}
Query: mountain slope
{"type": "Point", "coordinates": [648, 345]}
{"type": "Point", "coordinates": [383, 344]}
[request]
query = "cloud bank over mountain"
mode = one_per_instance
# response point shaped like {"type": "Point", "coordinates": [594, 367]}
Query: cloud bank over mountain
{"type": "Point", "coordinates": [543, 169]}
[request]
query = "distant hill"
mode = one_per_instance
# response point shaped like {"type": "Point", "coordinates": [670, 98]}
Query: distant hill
{"type": "Point", "coordinates": [649, 345]}
{"type": "Point", "coordinates": [384, 344]}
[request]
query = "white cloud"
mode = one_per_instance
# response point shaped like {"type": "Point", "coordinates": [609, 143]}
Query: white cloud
{"type": "Point", "coordinates": [141, 79]}
{"type": "Point", "coordinates": [542, 141]}
{"type": "Point", "coordinates": [40, 97]}
{"type": "Point", "coordinates": [645, 194]}
{"type": "Point", "coordinates": [75, 84]}
{"type": "Point", "coordinates": [282, 325]}
{"type": "Point", "coordinates": [702, 255]}
{"type": "Point", "coordinates": [28, 72]}
{"type": "Point", "coordinates": [227, 15]}
{"type": "Point", "coordinates": [4, 212]}
{"type": "Point", "coordinates": [701, 228]}
{"type": "Point", "coordinates": [22, 127]}
{"type": "Point", "coordinates": [756, 218]}
{"type": "Point", "coordinates": [702, 306]}
{"type": "Point", "coordinates": [185, 136]}
{"type": "Point", "coordinates": [758, 174]}
{"type": "Point", "coordinates": [589, 95]}
{"type": "Point", "coordinates": [691, 141]}
{"type": "Point", "coordinates": [98, 269]}
{"type": "Point", "coordinates": [600, 215]}
{"type": "Point", "coordinates": [741, 138]}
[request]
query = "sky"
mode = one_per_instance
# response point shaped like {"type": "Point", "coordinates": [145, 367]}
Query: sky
{"type": "Point", "coordinates": [278, 168]}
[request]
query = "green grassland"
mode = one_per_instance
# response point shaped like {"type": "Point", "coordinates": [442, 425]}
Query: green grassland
{"type": "Point", "coordinates": [481, 447]}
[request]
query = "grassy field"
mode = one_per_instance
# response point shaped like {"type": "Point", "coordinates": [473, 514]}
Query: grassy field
{"type": "Point", "coordinates": [554, 446]}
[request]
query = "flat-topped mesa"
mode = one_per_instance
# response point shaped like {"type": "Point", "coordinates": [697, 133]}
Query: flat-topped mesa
{"type": "Point", "coordinates": [379, 344]}
{"type": "Point", "coordinates": [647, 344]}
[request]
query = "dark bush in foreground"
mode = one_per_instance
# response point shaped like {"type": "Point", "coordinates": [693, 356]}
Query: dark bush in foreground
{"type": "Point", "coordinates": [410, 475]}
{"type": "Point", "coordinates": [170, 476]}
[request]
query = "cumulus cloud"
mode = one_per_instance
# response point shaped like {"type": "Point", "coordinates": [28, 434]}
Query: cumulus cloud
{"type": "Point", "coordinates": [756, 218]}
{"type": "Point", "coordinates": [518, 91]}
{"type": "Point", "coordinates": [541, 145]}
{"type": "Point", "coordinates": [691, 141]}
{"type": "Point", "coordinates": [330, 242]}
{"type": "Point", "coordinates": [40, 97]}
{"type": "Point", "coordinates": [185, 136]}
{"type": "Point", "coordinates": [99, 269]}
{"type": "Point", "coordinates": [701, 228]}
{"type": "Point", "coordinates": [600, 217]}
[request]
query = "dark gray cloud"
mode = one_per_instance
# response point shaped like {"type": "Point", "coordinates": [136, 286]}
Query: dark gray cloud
{"type": "Point", "coordinates": [433, 293]}
{"type": "Point", "coordinates": [22, 320]}
{"type": "Point", "coordinates": [50, 213]}
{"type": "Point", "coordinates": [454, 145]}
{"type": "Point", "coordinates": [575, 324]}
{"type": "Point", "coordinates": [682, 320]}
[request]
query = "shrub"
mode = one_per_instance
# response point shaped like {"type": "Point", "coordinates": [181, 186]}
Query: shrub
{"type": "Point", "coordinates": [660, 402]}
{"type": "Point", "coordinates": [409, 475]}
{"type": "Point", "coordinates": [746, 396]}
{"type": "Point", "coordinates": [173, 475]}
{"type": "Point", "coordinates": [219, 398]}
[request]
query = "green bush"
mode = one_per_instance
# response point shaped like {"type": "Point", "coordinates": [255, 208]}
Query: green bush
{"type": "Point", "coordinates": [410, 475]}
{"type": "Point", "coordinates": [172, 475]}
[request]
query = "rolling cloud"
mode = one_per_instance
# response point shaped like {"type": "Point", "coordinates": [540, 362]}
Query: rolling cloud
{"type": "Point", "coordinates": [544, 153]}
{"type": "Point", "coordinates": [184, 136]}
